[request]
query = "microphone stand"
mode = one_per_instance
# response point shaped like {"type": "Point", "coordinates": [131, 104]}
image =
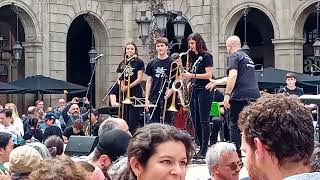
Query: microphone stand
{"type": "Point", "coordinates": [93, 69]}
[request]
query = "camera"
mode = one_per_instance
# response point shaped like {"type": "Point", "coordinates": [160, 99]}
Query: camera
{"type": "Point", "coordinates": [80, 99]}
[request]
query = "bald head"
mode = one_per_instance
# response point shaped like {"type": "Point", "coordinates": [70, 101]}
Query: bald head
{"type": "Point", "coordinates": [112, 123]}
{"type": "Point", "coordinates": [233, 43]}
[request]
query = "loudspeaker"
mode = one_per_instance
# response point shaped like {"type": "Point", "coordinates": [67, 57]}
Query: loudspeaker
{"type": "Point", "coordinates": [81, 145]}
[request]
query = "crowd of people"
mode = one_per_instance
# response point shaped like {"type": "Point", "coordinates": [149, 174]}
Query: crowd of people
{"type": "Point", "coordinates": [275, 131]}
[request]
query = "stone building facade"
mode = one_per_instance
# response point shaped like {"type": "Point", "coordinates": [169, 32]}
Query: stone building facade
{"type": "Point", "coordinates": [279, 24]}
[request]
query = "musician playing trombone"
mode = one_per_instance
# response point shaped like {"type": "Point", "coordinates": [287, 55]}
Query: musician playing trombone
{"type": "Point", "coordinates": [130, 84]}
{"type": "Point", "coordinates": [201, 99]}
{"type": "Point", "coordinates": [158, 71]}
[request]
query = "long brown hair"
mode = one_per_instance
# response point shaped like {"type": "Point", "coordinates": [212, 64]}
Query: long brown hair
{"type": "Point", "coordinates": [200, 44]}
{"type": "Point", "coordinates": [119, 69]}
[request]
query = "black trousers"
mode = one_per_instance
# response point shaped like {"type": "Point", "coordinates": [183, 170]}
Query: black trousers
{"type": "Point", "coordinates": [132, 117]}
{"type": "Point", "coordinates": [235, 135]}
{"type": "Point", "coordinates": [200, 103]}
{"type": "Point", "coordinates": [158, 113]}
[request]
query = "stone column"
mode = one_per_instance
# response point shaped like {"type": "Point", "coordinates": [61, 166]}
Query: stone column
{"type": "Point", "coordinates": [288, 54]}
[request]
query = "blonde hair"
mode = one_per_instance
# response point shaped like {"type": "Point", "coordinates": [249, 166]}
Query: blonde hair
{"type": "Point", "coordinates": [15, 114]}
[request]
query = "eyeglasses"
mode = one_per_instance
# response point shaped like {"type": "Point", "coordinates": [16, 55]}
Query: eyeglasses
{"type": "Point", "coordinates": [234, 165]}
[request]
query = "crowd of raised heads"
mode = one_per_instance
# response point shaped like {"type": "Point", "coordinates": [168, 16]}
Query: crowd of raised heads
{"type": "Point", "coordinates": [277, 138]}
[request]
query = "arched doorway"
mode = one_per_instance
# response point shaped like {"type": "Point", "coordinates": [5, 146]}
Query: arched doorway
{"type": "Point", "coordinates": [260, 33]}
{"type": "Point", "coordinates": [11, 69]}
{"type": "Point", "coordinates": [309, 37]}
{"type": "Point", "coordinates": [79, 40]}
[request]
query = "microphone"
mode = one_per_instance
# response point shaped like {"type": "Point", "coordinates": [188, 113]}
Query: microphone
{"type": "Point", "coordinates": [197, 61]}
{"type": "Point", "coordinates": [96, 58]}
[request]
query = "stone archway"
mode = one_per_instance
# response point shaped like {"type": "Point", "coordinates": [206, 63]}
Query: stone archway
{"type": "Point", "coordinates": [260, 33]}
{"type": "Point", "coordinates": [305, 29]}
{"type": "Point", "coordinates": [32, 48]}
{"type": "Point", "coordinates": [101, 43]}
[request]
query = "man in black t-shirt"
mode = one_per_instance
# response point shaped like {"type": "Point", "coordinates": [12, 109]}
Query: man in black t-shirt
{"type": "Point", "coordinates": [241, 85]}
{"type": "Point", "coordinates": [75, 130]}
{"type": "Point", "coordinates": [157, 72]}
{"type": "Point", "coordinates": [291, 88]}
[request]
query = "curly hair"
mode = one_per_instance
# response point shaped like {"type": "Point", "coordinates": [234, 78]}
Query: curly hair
{"type": "Point", "coordinates": [283, 124]}
{"type": "Point", "coordinates": [60, 168]}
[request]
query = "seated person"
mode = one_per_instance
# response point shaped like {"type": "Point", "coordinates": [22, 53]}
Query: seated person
{"type": "Point", "coordinates": [75, 130]}
{"type": "Point", "coordinates": [51, 129]}
{"type": "Point", "coordinates": [219, 123]}
{"type": "Point", "coordinates": [33, 130]}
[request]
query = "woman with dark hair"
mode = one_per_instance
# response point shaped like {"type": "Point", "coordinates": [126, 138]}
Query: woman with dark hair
{"type": "Point", "coordinates": [33, 131]}
{"type": "Point", "coordinates": [201, 71]}
{"type": "Point", "coordinates": [55, 145]}
{"type": "Point", "coordinates": [132, 66]}
{"type": "Point", "coordinates": [158, 151]}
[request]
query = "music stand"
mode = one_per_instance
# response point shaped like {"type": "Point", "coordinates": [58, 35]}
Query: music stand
{"type": "Point", "coordinates": [140, 102]}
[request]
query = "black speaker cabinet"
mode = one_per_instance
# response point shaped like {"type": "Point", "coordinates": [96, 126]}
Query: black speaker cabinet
{"type": "Point", "coordinates": [81, 145]}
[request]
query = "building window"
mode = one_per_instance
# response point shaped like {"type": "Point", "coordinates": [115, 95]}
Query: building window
{"type": "Point", "coordinates": [310, 36]}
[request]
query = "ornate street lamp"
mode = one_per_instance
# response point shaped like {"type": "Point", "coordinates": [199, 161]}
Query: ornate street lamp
{"type": "Point", "coordinates": [316, 45]}
{"type": "Point", "coordinates": [245, 46]}
{"type": "Point", "coordinates": [92, 54]}
{"type": "Point", "coordinates": [179, 25]}
{"type": "Point", "coordinates": [143, 27]}
{"type": "Point", "coordinates": [17, 48]}
{"type": "Point", "coordinates": [161, 17]}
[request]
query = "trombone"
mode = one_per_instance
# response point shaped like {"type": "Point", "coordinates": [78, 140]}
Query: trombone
{"type": "Point", "coordinates": [178, 85]}
{"type": "Point", "coordinates": [127, 72]}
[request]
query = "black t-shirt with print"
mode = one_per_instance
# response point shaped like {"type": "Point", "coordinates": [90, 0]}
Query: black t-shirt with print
{"type": "Point", "coordinates": [246, 85]}
{"type": "Point", "coordinates": [135, 66]}
{"type": "Point", "coordinates": [297, 91]}
{"type": "Point", "coordinates": [159, 70]}
{"type": "Point", "coordinates": [200, 68]}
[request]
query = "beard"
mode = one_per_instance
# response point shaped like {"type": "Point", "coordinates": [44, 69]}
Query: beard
{"type": "Point", "coordinates": [253, 171]}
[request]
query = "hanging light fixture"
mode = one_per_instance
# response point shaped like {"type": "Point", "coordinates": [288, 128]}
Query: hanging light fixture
{"type": "Point", "coordinates": [245, 46]}
{"type": "Point", "coordinates": [316, 45]}
{"type": "Point", "coordinates": [179, 25]}
{"type": "Point", "coordinates": [17, 48]}
{"type": "Point", "coordinates": [93, 52]}
{"type": "Point", "coordinates": [143, 27]}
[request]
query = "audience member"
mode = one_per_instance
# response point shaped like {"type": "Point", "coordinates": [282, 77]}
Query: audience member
{"type": "Point", "coordinates": [41, 148]}
{"type": "Point", "coordinates": [6, 146]}
{"type": "Point", "coordinates": [291, 88]}
{"type": "Point", "coordinates": [71, 112]}
{"type": "Point", "coordinates": [118, 167]}
{"type": "Point", "coordinates": [51, 129]}
{"type": "Point", "coordinates": [55, 145]}
{"type": "Point", "coordinates": [31, 113]}
{"type": "Point", "coordinates": [58, 112]}
{"type": "Point", "coordinates": [75, 130]}
{"type": "Point", "coordinates": [111, 146]}
{"type": "Point", "coordinates": [113, 123]}
{"type": "Point", "coordinates": [17, 122]}
{"type": "Point", "coordinates": [6, 121]}
{"type": "Point", "coordinates": [39, 105]}
{"type": "Point", "coordinates": [278, 138]}
{"type": "Point", "coordinates": [223, 161]}
{"type": "Point", "coordinates": [23, 160]}
{"type": "Point", "coordinates": [158, 151]}
{"type": "Point", "coordinates": [61, 167]}
{"type": "Point", "coordinates": [33, 131]}
{"type": "Point", "coordinates": [96, 173]}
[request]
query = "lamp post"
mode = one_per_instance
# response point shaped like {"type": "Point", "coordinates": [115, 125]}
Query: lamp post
{"type": "Point", "coordinates": [17, 48]}
{"type": "Point", "coordinates": [245, 46]}
{"type": "Point", "coordinates": [157, 25]}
